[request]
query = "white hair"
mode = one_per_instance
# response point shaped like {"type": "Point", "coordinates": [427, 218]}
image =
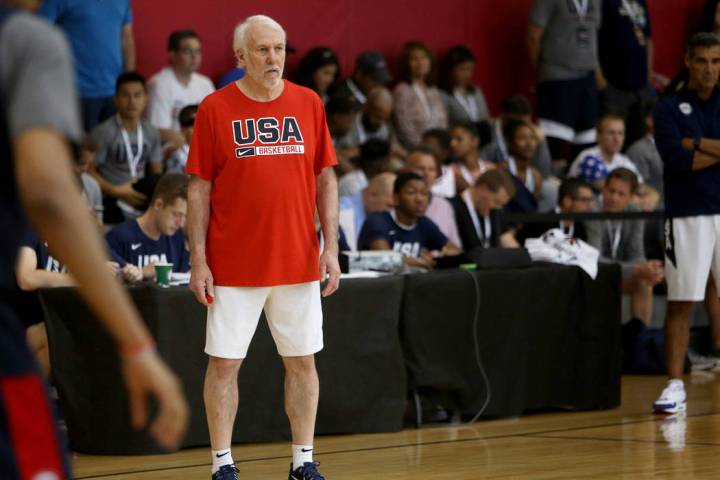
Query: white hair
{"type": "Point", "coordinates": [240, 35]}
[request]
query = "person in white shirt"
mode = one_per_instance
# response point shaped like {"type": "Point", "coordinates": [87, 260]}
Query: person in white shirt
{"type": "Point", "coordinates": [594, 164]}
{"type": "Point", "coordinates": [177, 85]}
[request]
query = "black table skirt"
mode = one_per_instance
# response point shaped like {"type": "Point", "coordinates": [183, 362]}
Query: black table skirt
{"type": "Point", "coordinates": [548, 336]}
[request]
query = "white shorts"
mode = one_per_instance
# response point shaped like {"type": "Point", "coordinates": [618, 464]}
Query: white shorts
{"type": "Point", "coordinates": [692, 251]}
{"type": "Point", "coordinates": [293, 312]}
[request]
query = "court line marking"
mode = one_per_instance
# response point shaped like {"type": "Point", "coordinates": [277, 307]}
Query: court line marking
{"type": "Point", "coordinates": [538, 435]}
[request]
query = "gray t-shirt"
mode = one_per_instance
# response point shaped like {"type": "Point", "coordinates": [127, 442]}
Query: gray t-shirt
{"type": "Point", "coordinates": [36, 78]}
{"type": "Point", "coordinates": [646, 158]}
{"type": "Point", "coordinates": [93, 194]}
{"type": "Point", "coordinates": [569, 43]}
{"type": "Point", "coordinates": [111, 159]}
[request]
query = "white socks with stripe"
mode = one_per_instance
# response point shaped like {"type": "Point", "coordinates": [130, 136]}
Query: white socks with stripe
{"type": "Point", "coordinates": [301, 455]}
{"type": "Point", "coordinates": [220, 458]}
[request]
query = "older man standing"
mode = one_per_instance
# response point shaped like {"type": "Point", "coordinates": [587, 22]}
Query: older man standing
{"type": "Point", "coordinates": [262, 156]}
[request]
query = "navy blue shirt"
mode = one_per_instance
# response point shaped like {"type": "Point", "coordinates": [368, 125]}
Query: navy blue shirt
{"type": "Point", "coordinates": [623, 58]}
{"type": "Point", "coordinates": [130, 242]}
{"type": "Point", "coordinates": [407, 241]}
{"type": "Point", "coordinates": [684, 115]}
{"type": "Point", "coordinates": [45, 260]}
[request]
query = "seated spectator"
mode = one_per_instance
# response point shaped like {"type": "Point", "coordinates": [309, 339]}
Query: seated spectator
{"type": "Point", "coordinates": [492, 190]}
{"type": "Point", "coordinates": [405, 229]}
{"type": "Point", "coordinates": [438, 140]}
{"type": "Point", "coordinates": [127, 147]}
{"type": "Point", "coordinates": [622, 241]}
{"type": "Point", "coordinates": [464, 101]}
{"type": "Point", "coordinates": [468, 166]}
{"type": "Point", "coordinates": [374, 159]}
{"type": "Point", "coordinates": [594, 164]}
{"type": "Point", "coordinates": [376, 197]}
{"type": "Point", "coordinates": [319, 70]}
{"type": "Point", "coordinates": [422, 161]}
{"type": "Point", "coordinates": [644, 154]}
{"type": "Point", "coordinates": [177, 161]}
{"type": "Point", "coordinates": [522, 146]}
{"type": "Point", "coordinates": [157, 235]}
{"type": "Point", "coordinates": [84, 161]}
{"type": "Point", "coordinates": [341, 112]}
{"type": "Point", "coordinates": [36, 268]}
{"type": "Point", "coordinates": [373, 122]}
{"type": "Point", "coordinates": [178, 85]}
{"type": "Point", "coordinates": [516, 107]}
{"type": "Point", "coordinates": [418, 105]}
{"type": "Point", "coordinates": [575, 196]}
{"type": "Point", "coordinates": [370, 72]}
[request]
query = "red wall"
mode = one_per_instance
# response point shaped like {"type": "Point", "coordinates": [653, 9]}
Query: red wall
{"type": "Point", "coordinates": [493, 29]}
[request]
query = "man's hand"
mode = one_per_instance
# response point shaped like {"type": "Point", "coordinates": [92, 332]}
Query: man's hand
{"type": "Point", "coordinates": [201, 282]}
{"type": "Point", "coordinates": [148, 271]}
{"type": "Point", "coordinates": [651, 272]}
{"type": "Point", "coordinates": [131, 273]}
{"type": "Point", "coordinates": [147, 375]}
{"type": "Point", "coordinates": [128, 194]}
{"type": "Point", "coordinates": [330, 269]}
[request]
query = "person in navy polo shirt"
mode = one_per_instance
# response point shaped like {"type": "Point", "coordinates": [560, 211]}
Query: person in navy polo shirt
{"type": "Point", "coordinates": [406, 229]}
{"type": "Point", "coordinates": [157, 235]}
{"type": "Point", "coordinates": [687, 134]}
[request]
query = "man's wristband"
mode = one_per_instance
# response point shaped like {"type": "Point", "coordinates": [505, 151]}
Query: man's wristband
{"type": "Point", "coordinates": [137, 350]}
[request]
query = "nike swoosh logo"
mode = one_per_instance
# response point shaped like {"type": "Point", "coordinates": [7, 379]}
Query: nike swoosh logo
{"type": "Point", "coordinates": [135, 246]}
{"type": "Point", "coordinates": [305, 450]}
{"type": "Point", "coordinates": [219, 455]}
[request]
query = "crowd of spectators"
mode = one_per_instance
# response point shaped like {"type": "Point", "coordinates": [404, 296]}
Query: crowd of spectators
{"type": "Point", "coordinates": [422, 158]}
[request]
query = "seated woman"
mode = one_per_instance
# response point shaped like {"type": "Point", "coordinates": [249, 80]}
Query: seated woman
{"type": "Point", "coordinates": [464, 101]}
{"type": "Point", "coordinates": [405, 229]}
{"type": "Point", "coordinates": [468, 166]}
{"type": "Point", "coordinates": [418, 106]}
{"type": "Point", "coordinates": [319, 70]}
{"type": "Point", "coordinates": [522, 145]}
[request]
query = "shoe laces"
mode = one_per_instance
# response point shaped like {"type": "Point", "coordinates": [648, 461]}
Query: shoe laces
{"type": "Point", "coordinates": [309, 470]}
{"type": "Point", "coordinates": [228, 472]}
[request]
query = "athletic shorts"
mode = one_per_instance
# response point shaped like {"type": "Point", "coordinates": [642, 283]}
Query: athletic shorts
{"type": "Point", "coordinates": [30, 444]}
{"type": "Point", "coordinates": [692, 251]}
{"type": "Point", "coordinates": [568, 109]}
{"type": "Point", "coordinates": [293, 312]}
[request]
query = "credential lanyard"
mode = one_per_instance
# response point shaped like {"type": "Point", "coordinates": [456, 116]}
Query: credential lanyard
{"type": "Point", "coordinates": [486, 230]}
{"type": "Point", "coordinates": [581, 6]}
{"type": "Point", "coordinates": [133, 160]}
{"type": "Point", "coordinates": [615, 236]}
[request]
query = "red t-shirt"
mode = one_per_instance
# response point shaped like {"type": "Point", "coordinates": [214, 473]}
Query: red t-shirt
{"type": "Point", "coordinates": [262, 159]}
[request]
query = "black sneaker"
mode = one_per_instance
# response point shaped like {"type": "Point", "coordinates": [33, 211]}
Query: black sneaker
{"type": "Point", "coordinates": [307, 472]}
{"type": "Point", "coordinates": [226, 472]}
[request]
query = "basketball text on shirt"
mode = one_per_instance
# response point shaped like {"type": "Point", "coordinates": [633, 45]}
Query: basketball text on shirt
{"type": "Point", "coordinates": [274, 136]}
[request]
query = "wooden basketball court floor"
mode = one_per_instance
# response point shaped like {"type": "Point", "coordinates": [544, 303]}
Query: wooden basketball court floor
{"type": "Point", "coordinates": [626, 442]}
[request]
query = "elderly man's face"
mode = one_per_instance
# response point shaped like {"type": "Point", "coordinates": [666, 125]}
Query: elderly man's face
{"type": "Point", "coordinates": [263, 57]}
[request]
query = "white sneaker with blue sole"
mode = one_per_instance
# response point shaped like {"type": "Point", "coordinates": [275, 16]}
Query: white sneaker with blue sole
{"type": "Point", "coordinates": [672, 399]}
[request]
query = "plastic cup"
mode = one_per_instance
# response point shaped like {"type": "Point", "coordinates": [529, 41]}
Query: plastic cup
{"type": "Point", "coordinates": [162, 274]}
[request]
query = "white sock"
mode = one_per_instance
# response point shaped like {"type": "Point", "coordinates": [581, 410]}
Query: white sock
{"type": "Point", "coordinates": [220, 458]}
{"type": "Point", "coordinates": [301, 454]}
{"type": "Point", "coordinates": [676, 382]}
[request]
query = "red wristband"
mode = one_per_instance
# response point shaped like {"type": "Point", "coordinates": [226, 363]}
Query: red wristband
{"type": "Point", "coordinates": [137, 350]}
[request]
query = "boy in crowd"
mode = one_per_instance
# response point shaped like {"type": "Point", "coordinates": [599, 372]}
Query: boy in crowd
{"type": "Point", "coordinates": [156, 236]}
{"type": "Point", "coordinates": [405, 229]}
{"type": "Point", "coordinates": [127, 146]}
{"type": "Point", "coordinates": [178, 159]}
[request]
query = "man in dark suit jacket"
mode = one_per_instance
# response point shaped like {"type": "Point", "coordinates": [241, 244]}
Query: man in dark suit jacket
{"type": "Point", "coordinates": [492, 190]}
{"type": "Point", "coordinates": [574, 196]}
